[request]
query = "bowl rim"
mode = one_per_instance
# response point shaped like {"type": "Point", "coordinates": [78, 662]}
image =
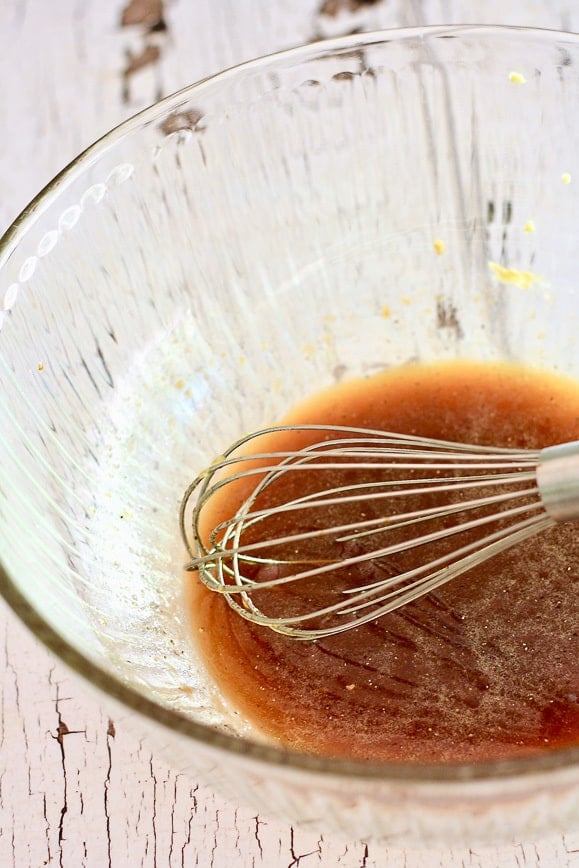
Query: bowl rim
{"type": "Point", "coordinates": [113, 686]}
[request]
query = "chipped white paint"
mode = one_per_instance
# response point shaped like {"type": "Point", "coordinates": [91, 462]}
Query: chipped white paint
{"type": "Point", "coordinates": [74, 789]}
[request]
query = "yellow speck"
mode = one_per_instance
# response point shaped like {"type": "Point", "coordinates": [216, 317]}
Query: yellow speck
{"type": "Point", "coordinates": [309, 351]}
{"type": "Point", "coordinates": [40, 367]}
{"type": "Point", "coordinates": [514, 277]}
{"type": "Point", "coordinates": [330, 318]}
{"type": "Point", "coordinates": [386, 312]}
{"type": "Point", "coordinates": [405, 300]}
{"type": "Point", "coordinates": [529, 227]}
{"type": "Point", "coordinates": [517, 78]}
{"type": "Point", "coordinates": [180, 384]}
{"type": "Point", "coordinates": [241, 361]}
{"type": "Point", "coordinates": [439, 246]}
{"type": "Point", "coordinates": [327, 337]}
{"type": "Point", "coordinates": [566, 178]}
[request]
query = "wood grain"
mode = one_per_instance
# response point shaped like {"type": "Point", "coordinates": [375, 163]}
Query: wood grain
{"type": "Point", "coordinates": [75, 789]}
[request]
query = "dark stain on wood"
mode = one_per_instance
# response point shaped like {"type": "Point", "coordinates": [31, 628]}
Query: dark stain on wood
{"type": "Point", "coordinates": [178, 121]}
{"type": "Point", "coordinates": [364, 70]}
{"type": "Point", "coordinates": [159, 27]}
{"type": "Point", "coordinates": [331, 8]}
{"type": "Point", "coordinates": [61, 731]}
{"type": "Point", "coordinates": [149, 54]}
{"type": "Point", "coordinates": [148, 16]}
{"type": "Point", "coordinates": [147, 13]}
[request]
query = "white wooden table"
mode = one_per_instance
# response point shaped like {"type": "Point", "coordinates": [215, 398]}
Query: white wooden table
{"type": "Point", "coordinates": [74, 789]}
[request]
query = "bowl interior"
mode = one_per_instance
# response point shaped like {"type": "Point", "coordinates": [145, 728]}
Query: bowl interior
{"type": "Point", "coordinates": [319, 215]}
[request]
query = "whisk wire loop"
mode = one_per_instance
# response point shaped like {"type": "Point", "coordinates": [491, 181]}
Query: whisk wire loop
{"type": "Point", "coordinates": [423, 493]}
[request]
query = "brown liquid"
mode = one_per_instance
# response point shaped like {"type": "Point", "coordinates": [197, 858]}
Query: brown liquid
{"type": "Point", "coordinates": [487, 666]}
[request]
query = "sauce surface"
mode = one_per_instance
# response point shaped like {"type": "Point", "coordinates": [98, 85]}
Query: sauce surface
{"type": "Point", "coordinates": [487, 666]}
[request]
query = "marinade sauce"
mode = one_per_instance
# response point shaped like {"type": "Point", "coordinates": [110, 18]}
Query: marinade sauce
{"type": "Point", "coordinates": [487, 666]}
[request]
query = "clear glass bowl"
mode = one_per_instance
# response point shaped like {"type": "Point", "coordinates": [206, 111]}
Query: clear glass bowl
{"type": "Point", "coordinates": [325, 212]}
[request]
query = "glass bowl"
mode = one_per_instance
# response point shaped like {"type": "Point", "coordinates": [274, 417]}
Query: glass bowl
{"type": "Point", "coordinates": [326, 212]}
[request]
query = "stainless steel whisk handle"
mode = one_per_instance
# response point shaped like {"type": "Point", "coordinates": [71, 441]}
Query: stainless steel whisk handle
{"type": "Point", "coordinates": [558, 481]}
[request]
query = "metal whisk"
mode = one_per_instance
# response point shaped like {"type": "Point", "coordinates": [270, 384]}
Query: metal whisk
{"type": "Point", "coordinates": [419, 512]}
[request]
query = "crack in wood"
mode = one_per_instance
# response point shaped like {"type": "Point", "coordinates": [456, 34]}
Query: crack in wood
{"type": "Point", "coordinates": [257, 837]}
{"type": "Point", "coordinates": [215, 840]}
{"type": "Point", "coordinates": [188, 840]}
{"type": "Point", "coordinates": [62, 730]}
{"type": "Point", "coordinates": [111, 733]}
{"type": "Point", "coordinates": [154, 817]}
{"type": "Point", "coordinates": [364, 861]}
{"type": "Point", "coordinates": [173, 805]}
